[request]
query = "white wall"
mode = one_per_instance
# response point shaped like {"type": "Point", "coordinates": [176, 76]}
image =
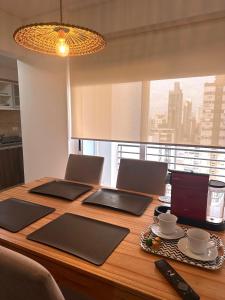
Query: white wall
{"type": "Point", "coordinates": [42, 83]}
{"type": "Point", "coordinates": [7, 73]}
{"type": "Point", "coordinates": [8, 25]}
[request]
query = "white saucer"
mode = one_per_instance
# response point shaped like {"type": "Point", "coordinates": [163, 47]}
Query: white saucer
{"type": "Point", "coordinates": [211, 254]}
{"type": "Point", "coordinates": [178, 233]}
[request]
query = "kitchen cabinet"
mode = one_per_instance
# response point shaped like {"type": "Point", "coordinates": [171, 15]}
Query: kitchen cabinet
{"type": "Point", "coordinates": [11, 166]}
{"type": "Point", "coordinates": [9, 95]}
{"type": "Point", "coordinates": [16, 96]}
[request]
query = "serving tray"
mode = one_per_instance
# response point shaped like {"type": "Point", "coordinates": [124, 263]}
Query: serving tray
{"type": "Point", "coordinates": [169, 248]}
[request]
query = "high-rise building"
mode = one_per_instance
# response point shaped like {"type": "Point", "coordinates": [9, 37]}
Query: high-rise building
{"type": "Point", "coordinates": [159, 133]}
{"type": "Point", "coordinates": [175, 104]}
{"type": "Point", "coordinates": [194, 132]}
{"type": "Point", "coordinates": [187, 121]}
{"type": "Point", "coordinates": [213, 117]}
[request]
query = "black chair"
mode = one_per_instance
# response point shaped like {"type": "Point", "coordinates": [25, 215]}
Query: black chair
{"type": "Point", "coordinates": [84, 168]}
{"type": "Point", "coordinates": [142, 176]}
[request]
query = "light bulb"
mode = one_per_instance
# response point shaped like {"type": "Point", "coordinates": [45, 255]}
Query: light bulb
{"type": "Point", "coordinates": [62, 48]}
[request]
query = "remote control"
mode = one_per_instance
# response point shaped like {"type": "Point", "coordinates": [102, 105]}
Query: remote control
{"type": "Point", "coordinates": [182, 288]}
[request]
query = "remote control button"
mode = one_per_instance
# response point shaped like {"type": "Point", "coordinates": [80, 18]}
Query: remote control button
{"type": "Point", "coordinates": [182, 286]}
{"type": "Point", "coordinates": [171, 273]}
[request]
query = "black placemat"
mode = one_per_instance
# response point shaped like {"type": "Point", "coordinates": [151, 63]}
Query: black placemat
{"type": "Point", "coordinates": [86, 238]}
{"type": "Point", "coordinates": [62, 189]}
{"type": "Point", "coordinates": [16, 214]}
{"type": "Point", "coordinates": [120, 200]}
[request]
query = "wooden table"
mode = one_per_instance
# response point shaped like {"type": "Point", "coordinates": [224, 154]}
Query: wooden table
{"type": "Point", "coordinates": [129, 273]}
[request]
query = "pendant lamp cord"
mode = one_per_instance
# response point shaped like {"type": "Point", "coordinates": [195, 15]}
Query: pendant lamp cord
{"type": "Point", "coordinates": [60, 3]}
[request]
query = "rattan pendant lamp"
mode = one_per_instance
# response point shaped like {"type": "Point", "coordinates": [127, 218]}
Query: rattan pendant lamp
{"type": "Point", "coordinates": [59, 38]}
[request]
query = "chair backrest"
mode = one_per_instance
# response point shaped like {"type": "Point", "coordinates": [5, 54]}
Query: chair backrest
{"type": "Point", "coordinates": [84, 168]}
{"type": "Point", "coordinates": [23, 278]}
{"type": "Point", "coordinates": [142, 176]}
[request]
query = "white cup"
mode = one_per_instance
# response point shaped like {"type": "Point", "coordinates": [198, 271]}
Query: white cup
{"type": "Point", "coordinates": [198, 241]}
{"type": "Point", "coordinates": [167, 223]}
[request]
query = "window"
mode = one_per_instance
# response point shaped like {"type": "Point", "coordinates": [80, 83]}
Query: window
{"type": "Point", "coordinates": [151, 116]}
{"type": "Point", "coordinates": [170, 111]}
{"type": "Point", "coordinates": [184, 158]}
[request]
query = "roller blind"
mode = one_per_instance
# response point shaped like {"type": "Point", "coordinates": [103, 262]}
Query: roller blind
{"type": "Point", "coordinates": [124, 94]}
{"type": "Point", "coordinates": [189, 111]}
{"type": "Point", "coordinates": [111, 111]}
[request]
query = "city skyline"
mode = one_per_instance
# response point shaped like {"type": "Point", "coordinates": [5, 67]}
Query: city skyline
{"type": "Point", "coordinates": [135, 104]}
{"type": "Point", "coordinates": [180, 123]}
{"type": "Point", "coordinates": [192, 89]}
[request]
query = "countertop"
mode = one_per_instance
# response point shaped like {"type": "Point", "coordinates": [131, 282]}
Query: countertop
{"type": "Point", "coordinates": [10, 145]}
{"type": "Point", "coordinates": [10, 141]}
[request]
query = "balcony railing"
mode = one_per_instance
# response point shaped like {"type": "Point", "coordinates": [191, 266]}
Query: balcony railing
{"type": "Point", "coordinates": [199, 160]}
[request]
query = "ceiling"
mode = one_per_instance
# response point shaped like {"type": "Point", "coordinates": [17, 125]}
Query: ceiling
{"type": "Point", "coordinates": [32, 8]}
{"type": "Point", "coordinates": [28, 9]}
